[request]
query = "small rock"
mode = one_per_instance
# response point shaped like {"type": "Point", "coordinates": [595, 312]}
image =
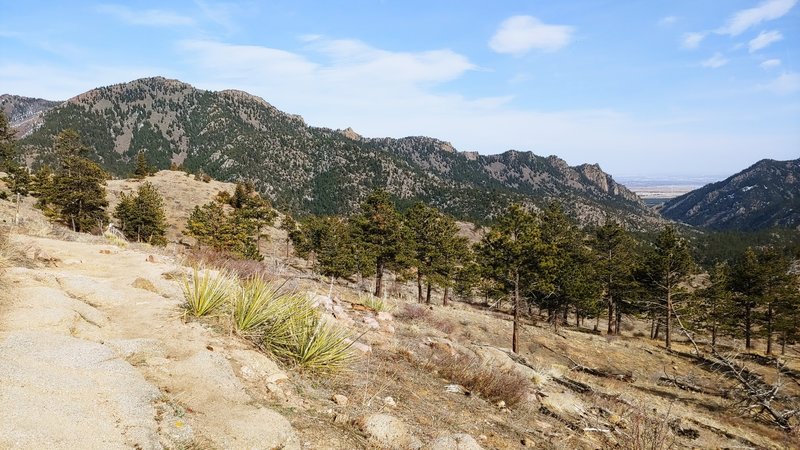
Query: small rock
{"type": "Point", "coordinates": [526, 442]}
{"type": "Point", "coordinates": [275, 377]}
{"type": "Point", "coordinates": [340, 399]}
{"type": "Point", "coordinates": [388, 328]}
{"type": "Point", "coordinates": [152, 259]}
{"type": "Point", "coordinates": [389, 401]}
{"type": "Point", "coordinates": [141, 283]}
{"type": "Point", "coordinates": [501, 404]}
{"type": "Point", "coordinates": [371, 323]}
{"type": "Point", "coordinates": [363, 348]}
{"type": "Point", "coordinates": [388, 432]}
{"type": "Point", "coordinates": [105, 251]}
{"type": "Point", "coordinates": [341, 419]}
{"type": "Point", "coordinates": [274, 388]}
{"type": "Point", "coordinates": [460, 441]}
{"type": "Point", "coordinates": [384, 316]}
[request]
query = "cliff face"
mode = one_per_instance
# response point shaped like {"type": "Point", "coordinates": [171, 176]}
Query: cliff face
{"type": "Point", "coordinates": [233, 136]}
{"type": "Point", "coordinates": [764, 195]}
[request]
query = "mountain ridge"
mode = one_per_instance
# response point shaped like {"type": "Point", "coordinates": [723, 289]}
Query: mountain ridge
{"type": "Point", "coordinates": [234, 136]}
{"type": "Point", "coordinates": [764, 195]}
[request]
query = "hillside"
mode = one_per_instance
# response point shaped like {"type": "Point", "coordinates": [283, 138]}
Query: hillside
{"type": "Point", "coordinates": [765, 195]}
{"type": "Point", "coordinates": [101, 355]}
{"type": "Point", "coordinates": [233, 136]}
{"type": "Point", "coordinates": [24, 113]}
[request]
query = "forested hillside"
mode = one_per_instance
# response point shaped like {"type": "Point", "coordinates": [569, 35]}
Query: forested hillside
{"type": "Point", "coordinates": [235, 136]}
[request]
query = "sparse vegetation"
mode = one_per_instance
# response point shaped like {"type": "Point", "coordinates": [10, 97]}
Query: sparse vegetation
{"type": "Point", "coordinates": [255, 303]}
{"type": "Point", "coordinates": [205, 291]}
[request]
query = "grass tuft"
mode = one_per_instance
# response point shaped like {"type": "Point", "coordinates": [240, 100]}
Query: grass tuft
{"type": "Point", "coordinates": [206, 292]}
{"type": "Point", "coordinates": [254, 304]}
{"type": "Point", "coordinates": [376, 303]}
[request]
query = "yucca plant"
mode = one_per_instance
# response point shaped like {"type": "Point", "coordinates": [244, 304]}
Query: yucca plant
{"type": "Point", "coordinates": [206, 292]}
{"type": "Point", "coordinates": [319, 346]}
{"type": "Point", "coordinates": [256, 303]}
{"type": "Point", "coordinates": [376, 303]}
{"type": "Point", "coordinates": [286, 312]}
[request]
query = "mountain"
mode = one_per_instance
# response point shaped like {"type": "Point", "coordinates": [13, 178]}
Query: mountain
{"type": "Point", "coordinates": [233, 135]}
{"type": "Point", "coordinates": [24, 113]}
{"type": "Point", "coordinates": [765, 195]}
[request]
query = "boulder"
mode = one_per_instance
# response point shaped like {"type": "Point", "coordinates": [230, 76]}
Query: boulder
{"type": "Point", "coordinates": [389, 432]}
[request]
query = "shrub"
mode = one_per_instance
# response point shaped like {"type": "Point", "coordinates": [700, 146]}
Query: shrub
{"type": "Point", "coordinates": [318, 346]}
{"type": "Point", "coordinates": [253, 304]}
{"type": "Point", "coordinates": [376, 303]}
{"type": "Point", "coordinates": [412, 311]}
{"type": "Point", "coordinates": [491, 382]}
{"type": "Point", "coordinates": [205, 293]}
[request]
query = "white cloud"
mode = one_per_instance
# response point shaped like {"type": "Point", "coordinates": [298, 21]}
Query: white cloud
{"type": "Point", "coordinates": [668, 21]}
{"type": "Point", "coordinates": [764, 39]}
{"type": "Point", "coordinates": [716, 61]}
{"type": "Point", "coordinates": [149, 17]}
{"type": "Point", "coordinates": [786, 83]}
{"type": "Point", "coordinates": [518, 35]}
{"type": "Point", "coordinates": [693, 40]}
{"type": "Point", "coordinates": [747, 18]}
{"type": "Point", "coordinates": [770, 64]}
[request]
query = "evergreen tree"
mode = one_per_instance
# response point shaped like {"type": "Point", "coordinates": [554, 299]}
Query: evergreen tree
{"type": "Point", "coordinates": [143, 168]}
{"type": "Point", "coordinates": [747, 285]}
{"type": "Point", "coordinates": [335, 256]}
{"type": "Point", "coordinates": [17, 177]}
{"type": "Point", "coordinates": [288, 225]}
{"type": "Point", "coordinates": [384, 239]}
{"type": "Point", "coordinates": [508, 257]}
{"type": "Point", "coordinates": [614, 267]}
{"type": "Point", "coordinates": [142, 216]}
{"type": "Point", "coordinates": [211, 225]}
{"type": "Point", "coordinates": [78, 186]}
{"type": "Point", "coordinates": [669, 266]}
{"type": "Point", "coordinates": [714, 311]}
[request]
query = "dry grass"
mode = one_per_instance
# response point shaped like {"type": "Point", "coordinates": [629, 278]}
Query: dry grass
{"type": "Point", "coordinates": [241, 268]}
{"type": "Point", "coordinates": [492, 383]}
{"type": "Point", "coordinates": [412, 311]}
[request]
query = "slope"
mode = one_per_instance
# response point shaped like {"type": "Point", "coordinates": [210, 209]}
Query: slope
{"type": "Point", "coordinates": [767, 194]}
{"type": "Point", "coordinates": [233, 136]}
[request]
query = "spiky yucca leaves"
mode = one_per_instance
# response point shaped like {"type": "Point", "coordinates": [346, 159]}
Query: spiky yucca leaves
{"type": "Point", "coordinates": [206, 292]}
{"type": "Point", "coordinates": [376, 303]}
{"type": "Point", "coordinates": [319, 346]}
{"type": "Point", "coordinates": [287, 313]}
{"type": "Point", "coordinates": [256, 303]}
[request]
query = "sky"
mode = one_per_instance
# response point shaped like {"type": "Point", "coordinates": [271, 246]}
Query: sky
{"type": "Point", "coordinates": [647, 88]}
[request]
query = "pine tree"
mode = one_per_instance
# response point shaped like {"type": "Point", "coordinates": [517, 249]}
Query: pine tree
{"type": "Point", "coordinates": [507, 254]}
{"type": "Point", "coordinates": [142, 217]}
{"type": "Point", "coordinates": [714, 311]}
{"type": "Point", "coordinates": [669, 267]}
{"type": "Point", "coordinates": [288, 225]}
{"type": "Point", "coordinates": [211, 225]}
{"type": "Point", "coordinates": [143, 168]}
{"type": "Point", "coordinates": [747, 287]}
{"type": "Point", "coordinates": [78, 191]}
{"type": "Point", "coordinates": [384, 239]}
{"type": "Point", "coordinates": [614, 267]}
{"type": "Point", "coordinates": [335, 257]}
{"type": "Point", "coordinates": [17, 177]}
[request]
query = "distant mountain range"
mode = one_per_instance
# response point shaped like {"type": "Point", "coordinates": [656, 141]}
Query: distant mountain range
{"type": "Point", "coordinates": [765, 195]}
{"type": "Point", "coordinates": [233, 135]}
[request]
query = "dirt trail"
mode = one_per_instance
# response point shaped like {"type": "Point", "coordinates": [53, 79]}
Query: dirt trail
{"type": "Point", "coordinates": [88, 360]}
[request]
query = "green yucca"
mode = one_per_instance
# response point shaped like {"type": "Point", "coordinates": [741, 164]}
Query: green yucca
{"type": "Point", "coordinates": [256, 303]}
{"type": "Point", "coordinates": [376, 303]}
{"type": "Point", "coordinates": [319, 346]}
{"type": "Point", "coordinates": [287, 313]}
{"type": "Point", "coordinates": [207, 292]}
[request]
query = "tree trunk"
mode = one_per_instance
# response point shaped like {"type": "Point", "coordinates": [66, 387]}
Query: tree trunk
{"type": "Point", "coordinates": [668, 321]}
{"type": "Point", "coordinates": [618, 319]}
{"type": "Point", "coordinates": [445, 297]}
{"type": "Point", "coordinates": [611, 315]}
{"type": "Point", "coordinates": [515, 332]}
{"type": "Point", "coordinates": [769, 328]}
{"type": "Point", "coordinates": [419, 287]}
{"type": "Point", "coordinates": [747, 325]}
{"type": "Point", "coordinates": [379, 279]}
{"type": "Point", "coordinates": [783, 343]}
{"type": "Point", "coordinates": [428, 294]}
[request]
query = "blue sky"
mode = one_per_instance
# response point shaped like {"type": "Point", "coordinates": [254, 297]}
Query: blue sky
{"type": "Point", "coordinates": [642, 87]}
